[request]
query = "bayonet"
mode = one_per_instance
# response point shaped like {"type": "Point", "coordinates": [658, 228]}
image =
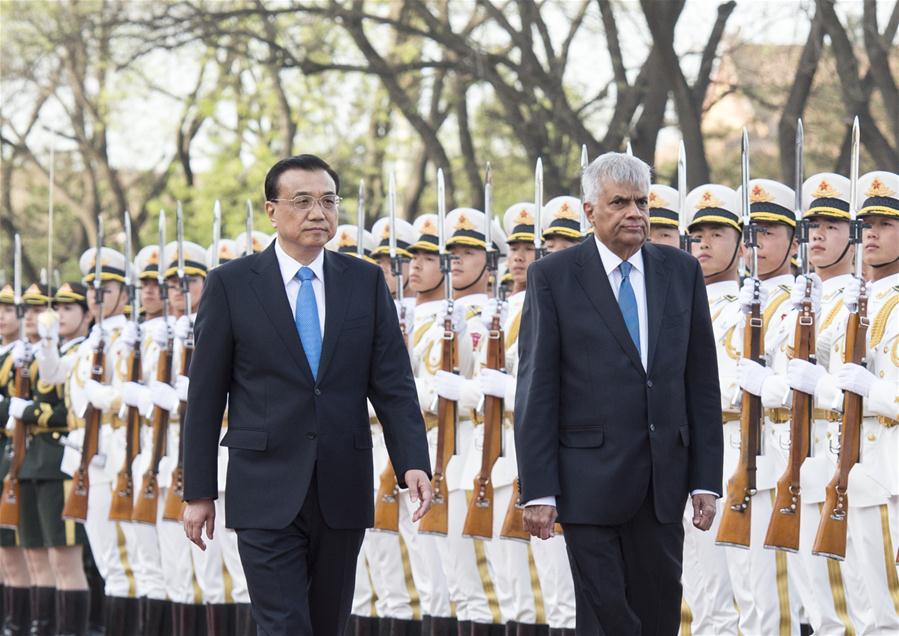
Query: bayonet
{"type": "Point", "coordinates": [50, 223]}
{"type": "Point", "coordinates": [682, 197]}
{"type": "Point", "coordinates": [538, 208]}
{"type": "Point", "coordinates": [182, 278]}
{"type": "Point", "coordinates": [248, 248]}
{"type": "Point", "coordinates": [130, 279]}
{"type": "Point", "coordinates": [585, 161]}
{"type": "Point", "coordinates": [216, 233]}
{"type": "Point", "coordinates": [360, 220]}
{"type": "Point", "coordinates": [99, 291]}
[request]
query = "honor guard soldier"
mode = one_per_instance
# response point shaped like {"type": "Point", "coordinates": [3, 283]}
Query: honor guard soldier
{"type": "Point", "coordinates": [873, 481]}
{"type": "Point", "coordinates": [16, 579]}
{"type": "Point", "coordinates": [715, 230]}
{"type": "Point", "coordinates": [758, 573]}
{"type": "Point", "coordinates": [52, 545]}
{"type": "Point", "coordinates": [397, 600]}
{"type": "Point", "coordinates": [260, 242]}
{"type": "Point", "coordinates": [663, 215]}
{"type": "Point", "coordinates": [561, 221]}
{"type": "Point", "coordinates": [472, 588]}
{"type": "Point", "coordinates": [88, 396]}
{"type": "Point", "coordinates": [821, 584]}
{"type": "Point", "coordinates": [227, 251]}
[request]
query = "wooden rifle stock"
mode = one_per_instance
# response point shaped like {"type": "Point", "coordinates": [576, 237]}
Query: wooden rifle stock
{"type": "Point", "coordinates": [174, 497]}
{"type": "Point", "coordinates": [830, 540]}
{"type": "Point", "coordinates": [146, 506]}
{"type": "Point", "coordinates": [123, 495]}
{"type": "Point", "coordinates": [513, 525]}
{"type": "Point", "coordinates": [783, 528]}
{"type": "Point", "coordinates": [436, 521]}
{"type": "Point", "coordinates": [75, 507]}
{"type": "Point", "coordinates": [9, 503]}
{"type": "Point", "coordinates": [736, 519]}
{"type": "Point", "coordinates": [387, 503]}
{"type": "Point", "coordinates": [479, 520]}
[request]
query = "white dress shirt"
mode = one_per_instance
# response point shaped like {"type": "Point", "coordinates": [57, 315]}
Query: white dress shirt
{"type": "Point", "coordinates": [637, 278]}
{"type": "Point", "coordinates": [289, 268]}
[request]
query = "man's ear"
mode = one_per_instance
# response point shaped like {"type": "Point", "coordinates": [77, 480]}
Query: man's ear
{"type": "Point", "coordinates": [270, 212]}
{"type": "Point", "coordinates": [588, 211]}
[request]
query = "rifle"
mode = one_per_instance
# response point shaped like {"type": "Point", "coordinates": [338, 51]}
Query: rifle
{"type": "Point", "coordinates": [783, 529]}
{"type": "Point", "coordinates": [75, 508]}
{"type": "Point", "coordinates": [145, 508]}
{"type": "Point", "coordinates": [736, 520]}
{"type": "Point", "coordinates": [479, 520]}
{"type": "Point", "coordinates": [123, 494]}
{"type": "Point", "coordinates": [830, 540]}
{"type": "Point", "coordinates": [436, 521]}
{"type": "Point", "coordinates": [9, 503]}
{"type": "Point", "coordinates": [174, 497]}
{"type": "Point", "coordinates": [387, 504]}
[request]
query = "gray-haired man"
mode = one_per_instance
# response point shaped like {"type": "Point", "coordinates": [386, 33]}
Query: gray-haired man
{"type": "Point", "coordinates": [618, 408]}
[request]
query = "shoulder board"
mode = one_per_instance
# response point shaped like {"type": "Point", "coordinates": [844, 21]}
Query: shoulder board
{"type": "Point", "coordinates": [472, 312]}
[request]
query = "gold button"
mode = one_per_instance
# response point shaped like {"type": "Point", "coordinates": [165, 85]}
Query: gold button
{"type": "Point", "coordinates": [55, 435]}
{"type": "Point", "coordinates": [872, 437]}
{"type": "Point", "coordinates": [829, 434]}
{"type": "Point", "coordinates": [881, 373]}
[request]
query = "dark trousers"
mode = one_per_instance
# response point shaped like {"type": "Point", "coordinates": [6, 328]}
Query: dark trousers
{"type": "Point", "coordinates": [627, 577]}
{"type": "Point", "coordinates": [301, 577]}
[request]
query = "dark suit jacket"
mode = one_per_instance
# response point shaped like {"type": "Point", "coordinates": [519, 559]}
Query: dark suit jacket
{"type": "Point", "coordinates": [591, 426]}
{"type": "Point", "coordinates": [283, 424]}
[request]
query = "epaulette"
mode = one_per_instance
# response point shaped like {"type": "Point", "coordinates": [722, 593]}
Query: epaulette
{"type": "Point", "coordinates": [473, 311]}
{"type": "Point", "coordinates": [879, 324]}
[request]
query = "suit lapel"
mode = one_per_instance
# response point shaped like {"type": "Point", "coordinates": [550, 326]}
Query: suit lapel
{"type": "Point", "coordinates": [591, 275]}
{"type": "Point", "coordinates": [338, 291]}
{"type": "Point", "coordinates": [269, 290]}
{"type": "Point", "coordinates": [656, 292]}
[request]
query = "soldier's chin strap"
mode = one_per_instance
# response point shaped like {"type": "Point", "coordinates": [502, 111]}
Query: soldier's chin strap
{"type": "Point", "coordinates": [474, 282]}
{"type": "Point", "coordinates": [729, 263]}
{"type": "Point", "coordinates": [435, 287]}
{"type": "Point", "coordinates": [787, 255]}
{"type": "Point", "coordinates": [885, 264]}
{"type": "Point", "coordinates": [839, 258]}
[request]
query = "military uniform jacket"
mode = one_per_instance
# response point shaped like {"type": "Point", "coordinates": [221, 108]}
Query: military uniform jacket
{"type": "Point", "coordinates": [7, 375]}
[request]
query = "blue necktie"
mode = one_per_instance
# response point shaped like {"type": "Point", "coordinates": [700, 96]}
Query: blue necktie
{"type": "Point", "coordinates": [628, 303]}
{"type": "Point", "coordinates": [306, 317]}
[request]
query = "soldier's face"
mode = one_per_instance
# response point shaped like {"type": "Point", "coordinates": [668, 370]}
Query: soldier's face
{"type": "Point", "coordinates": [714, 247]}
{"type": "Point", "coordinates": [114, 299]}
{"type": "Point", "coordinates": [194, 288]}
{"type": "Point", "coordinates": [9, 323]}
{"type": "Point", "coordinates": [312, 228]}
{"type": "Point", "coordinates": [386, 266]}
{"type": "Point", "coordinates": [775, 241]}
{"type": "Point", "coordinates": [424, 272]}
{"type": "Point", "coordinates": [558, 243]}
{"type": "Point", "coordinates": [150, 299]}
{"type": "Point", "coordinates": [880, 240]}
{"type": "Point", "coordinates": [620, 216]}
{"type": "Point", "coordinates": [664, 235]}
{"type": "Point", "coordinates": [469, 265]}
{"type": "Point", "coordinates": [827, 241]}
{"type": "Point", "coordinates": [73, 320]}
{"type": "Point", "coordinates": [521, 255]}
{"type": "Point", "coordinates": [31, 314]}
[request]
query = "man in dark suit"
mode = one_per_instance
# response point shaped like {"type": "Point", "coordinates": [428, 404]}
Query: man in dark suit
{"type": "Point", "coordinates": [617, 414]}
{"type": "Point", "coordinates": [295, 339]}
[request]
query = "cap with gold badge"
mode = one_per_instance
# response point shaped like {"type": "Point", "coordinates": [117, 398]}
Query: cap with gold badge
{"type": "Point", "coordinates": [663, 208]}
{"type": "Point", "coordinates": [467, 226]}
{"type": "Point", "coordinates": [194, 259]}
{"type": "Point", "coordinates": [345, 239]}
{"type": "Point", "coordinates": [826, 194]}
{"type": "Point", "coordinates": [227, 251]}
{"type": "Point", "coordinates": [426, 226]}
{"type": "Point", "coordinates": [878, 193]}
{"type": "Point", "coordinates": [112, 265]}
{"type": "Point", "coordinates": [713, 204]}
{"type": "Point", "coordinates": [7, 296]}
{"type": "Point", "coordinates": [770, 202]}
{"type": "Point", "coordinates": [71, 293]}
{"type": "Point", "coordinates": [36, 294]}
{"type": "Point", "coordinates": [562, 217]}
{"type": "Point", "coordinates": [261, 240]}
{"type": "Point", "coordinates": [518, 222]}
{"type": "Point", "coordinates": [146, 263]}
{"type": "Point", "coordinates": [405, 237]}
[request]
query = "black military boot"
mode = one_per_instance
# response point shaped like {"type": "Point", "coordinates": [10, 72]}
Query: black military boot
{"type": "Point", "coordinates": [72, 611]}
{"type": "Point", "coordinates": [244, 625]}
{"type": "Point", "coordinates": [157, 620]}
{"type": "Point", "coordinates": [219, 620]}
{"type": "Point", "coordinates": [17, 618]}
{"type": "Point", "coordinates": [43, 611]}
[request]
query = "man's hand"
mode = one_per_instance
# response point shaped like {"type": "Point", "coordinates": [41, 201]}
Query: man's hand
{"type": "Point", "coordinates": [704, 509]}
{"type": "Point", "coordinates": [540, 520]}
{"type": "Point", "coordinates": [419, 490]}
{"type": "Point", "coordinates": [199, 513]}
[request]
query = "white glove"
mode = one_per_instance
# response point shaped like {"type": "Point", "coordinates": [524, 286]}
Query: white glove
{"type": "Point", "coordinates": [161, 335]}
{"type": "Point", "coordinates": [21, 352]}
{"type": "Point", "coordinates": [97, 334]}
{"type": "Point", "coordinates": [407, 322]}
{"type": "Point", "coordinates": [852, 291]}
{"type": "Point", "coordinates": [182, 328]}
{"type": "Point", "coordinates": [17, 407]}
{"type": "Point", "coordinates": [182, 384]}
{"type": "Point", "coordinates": [458, 317]}
{"type": "Point", "coordinates": [855, 379]}
{"type": "Point", "coordinates": [747, 292]}
{"type": "Point", "coordinates": [130, 334]}
{"type": "Point", "coordinates": [98, 395]}
{"type": "Point", "coordinates": [495, 383]}
{"type": "Point", "coordinates": [48, 326]}
{"type": "Point", "coordinates": [489, 312]}
{"type": "Point", "coordinates": [448, 385]}
{"type": "Point", "coordinates": [164, 396]}
{"type": "Point", "coordinates": [135, 394]}
{"type": "Point", "coordinates": [804, 376]}
{"type": "Point", "coordinates": [797, 295]}
{"type": "Point", "coordinates": [751, 376]}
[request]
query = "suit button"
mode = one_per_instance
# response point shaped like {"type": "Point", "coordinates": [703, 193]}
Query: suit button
{"type": "Point", "coordinates": [318, 391]}
{"type": "Point", "coordinates": [649, 383]}
{"type": "Point", "coordinates": [652, 427]}
{"type": "Point", "coordinates": [311, 436]}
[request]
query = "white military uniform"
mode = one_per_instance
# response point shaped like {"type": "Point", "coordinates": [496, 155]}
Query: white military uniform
{"type": "Point", "coordinates": [708, 593]}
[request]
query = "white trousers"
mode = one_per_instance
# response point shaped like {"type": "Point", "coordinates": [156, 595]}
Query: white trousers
{"type": "Point", "coordinates": [556, 582]}
{"type": "Point", "coordinates": [108, 543]}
